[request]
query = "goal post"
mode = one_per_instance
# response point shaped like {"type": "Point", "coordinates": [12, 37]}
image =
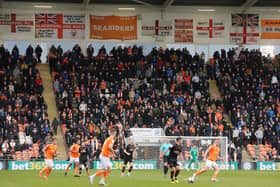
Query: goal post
{"type": "Point", "coordinates": [148, 148]}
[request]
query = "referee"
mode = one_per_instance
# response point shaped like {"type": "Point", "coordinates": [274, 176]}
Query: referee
{"type": "Point", "coordinates": [164, 153]}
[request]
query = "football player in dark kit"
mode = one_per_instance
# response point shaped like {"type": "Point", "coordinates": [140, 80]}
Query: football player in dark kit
{"type": "Point", "coordinates": [128, 157]}
{"type": "Point", "coordinates": [83, 159]}
{"type": "Point", "coordinates": [175, 151]}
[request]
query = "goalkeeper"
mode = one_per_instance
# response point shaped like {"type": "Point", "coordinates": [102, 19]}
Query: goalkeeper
{"type": "Point", "coordinates": [193, 154]}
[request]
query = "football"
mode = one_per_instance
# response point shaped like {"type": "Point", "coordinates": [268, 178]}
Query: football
{"type": "Point", "coordinates": [190, 180]}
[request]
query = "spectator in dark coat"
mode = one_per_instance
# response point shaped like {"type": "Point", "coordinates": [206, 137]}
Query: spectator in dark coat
{"type": "Point", "coordinates": [38, 51]}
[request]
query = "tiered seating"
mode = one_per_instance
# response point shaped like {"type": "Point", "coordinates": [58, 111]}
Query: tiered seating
{"type": "Point", "coordinates": [34, 151]}
{"type": "Point", "coordinates": [167, 89]}
{"type": "Point", "coordinates": [23, 116]}
{"type": "Point", "coordinates": [262, 152]}
{"type": "Point", "coordinates": [250, 87]}
{"type": "Point", "coordinates": [18, 155]}
{"type": "Point", "coordinates": [26, 155]}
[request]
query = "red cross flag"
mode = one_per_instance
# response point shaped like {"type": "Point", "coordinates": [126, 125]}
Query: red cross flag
{"type": "Point", "coordinates": [210, 28]}
{"type": "Point", "coordinates": [15, 23]}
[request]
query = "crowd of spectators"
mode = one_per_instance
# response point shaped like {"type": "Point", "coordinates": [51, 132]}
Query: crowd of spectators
{"type": "Point", "coordinates": [249, 84]}
{"type": "Point", "coordinates": [166, 89]}
{"type": "Point", "coordinates": [23, 112]}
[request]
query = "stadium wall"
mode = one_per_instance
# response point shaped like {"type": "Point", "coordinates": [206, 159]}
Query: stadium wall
{"type": "Point", "coordinates": [143, 12]}
{"type": "Point", "coordinates": [208, 46]}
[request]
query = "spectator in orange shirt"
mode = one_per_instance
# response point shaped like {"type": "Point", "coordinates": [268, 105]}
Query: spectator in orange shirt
{"type": "Point", "coordinates": [221, 129]}
{"type": "Point", "coordinates": [218, 116]}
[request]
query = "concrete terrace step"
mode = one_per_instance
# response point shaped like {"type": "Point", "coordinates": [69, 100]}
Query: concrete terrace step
{"type": "Point", "coordinates": [214, 92]}
{"type": "Point", "coordinates": [49, 97]}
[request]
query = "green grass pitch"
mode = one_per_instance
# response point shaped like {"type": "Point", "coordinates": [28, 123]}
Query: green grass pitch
{"type": "Point", "coordinates": [141, 179]}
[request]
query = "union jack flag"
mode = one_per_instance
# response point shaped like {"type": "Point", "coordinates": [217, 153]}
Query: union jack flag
{"type": "Point", "coordinates": [253, 20]}
{"type": "Point", "coordinates": [237, 20]}
{"type": "Point", "coordinates": [49, 19]}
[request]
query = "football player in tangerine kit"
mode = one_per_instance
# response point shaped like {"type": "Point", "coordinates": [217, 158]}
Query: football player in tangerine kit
{"type": "Point", "coordinates": [74, 158]}
{"type": "Point", "coordinates": [50, 151]}
{"type": "Point", "coordinates": [214, 151]}
{"type": "Point", "coordinates": [106, 153]}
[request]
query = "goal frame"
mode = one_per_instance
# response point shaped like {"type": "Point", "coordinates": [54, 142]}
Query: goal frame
{"type": "Point", "coordinates": [157, 141]}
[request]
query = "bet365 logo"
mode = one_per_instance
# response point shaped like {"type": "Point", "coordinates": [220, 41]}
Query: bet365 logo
{"type": "Point", "coordinates": [268, 166]}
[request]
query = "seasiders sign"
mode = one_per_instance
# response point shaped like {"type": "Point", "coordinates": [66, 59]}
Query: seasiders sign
{"type": "Point", "coordinates": [113, 27]}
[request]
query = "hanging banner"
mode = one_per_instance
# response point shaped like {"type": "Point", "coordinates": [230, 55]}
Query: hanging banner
{"type": "Point", "coordinates": [48, 26]}
{"type": "Point", "coordinates": [74, 26]}
{"type": "Point", "coordinates": [252, 32]}
{"type": "Point", "coordinates": [148, 27]}
{"type": "Point", "coordinates": [210, 28]}
{"type": "Point", "coordinates": [164, 27]}
{"type": "Point", "coordinates": [237, 25]}
{"type": "Point", "coordinates": [16, 23]}
{"type": "Point", "coordinates": [58, 26]}
{"type": "Point", "coordinates": [113, 27]}
{"type": "Point", "coordinates": [184, 30]}
{"type": "Point", "coordinates": [270, 29]}
{"type": "Point", "coordinates": [157, 27]}
{"type": "Point", "coordinates": [244, 28]}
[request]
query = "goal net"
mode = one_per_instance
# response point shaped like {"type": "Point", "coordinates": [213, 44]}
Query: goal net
{"type": "Point", "coordinates": [148, 148]}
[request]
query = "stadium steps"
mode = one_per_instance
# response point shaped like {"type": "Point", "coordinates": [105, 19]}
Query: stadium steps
{"type": "Point", "coordinates": [49, 97]}
{"type": "Point", "coordinates": [215, 93]}
{"type": "Point", "coordinates": [245, 155]}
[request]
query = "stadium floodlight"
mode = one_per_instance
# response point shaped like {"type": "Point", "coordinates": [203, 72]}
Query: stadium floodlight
{"type": "Point", "coordinates": [42, 6]}
{"type": "Point", "coordinates": [206, 10]}
{"type": "Point", "coordinates": [126, 8]}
